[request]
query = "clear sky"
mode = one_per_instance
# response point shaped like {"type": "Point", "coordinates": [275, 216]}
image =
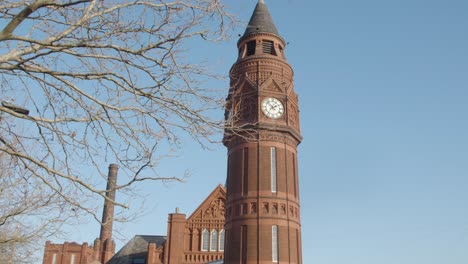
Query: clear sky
{"type": "Point", "coordinates": [383, 89]}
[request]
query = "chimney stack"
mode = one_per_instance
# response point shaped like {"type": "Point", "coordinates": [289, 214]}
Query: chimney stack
{"type": "Point", "coordinates": [107, 244]}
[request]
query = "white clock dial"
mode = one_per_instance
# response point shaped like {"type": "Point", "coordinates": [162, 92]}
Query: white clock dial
{"type": "Point", "coordinates": [272, 107]}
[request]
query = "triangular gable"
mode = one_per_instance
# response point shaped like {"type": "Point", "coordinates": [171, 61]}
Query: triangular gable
{"type": "Point", "coordinates": [213, 207]}
{"type": "Point", "coordinates": [271, 85]}
{"type": "Point", "coordinates": [244, 86]}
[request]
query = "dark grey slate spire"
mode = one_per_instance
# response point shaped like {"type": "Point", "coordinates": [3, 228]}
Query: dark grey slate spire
{"type": "Point", "coordinates": [261, 21]}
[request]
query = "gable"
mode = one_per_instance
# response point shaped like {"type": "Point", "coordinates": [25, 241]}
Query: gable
{"type": "Point", "coordinates": [243, 86]}
{"type": "Point", "coordinates": [271, 85]}
{"type": "Point", "coordinates": [212, 208]}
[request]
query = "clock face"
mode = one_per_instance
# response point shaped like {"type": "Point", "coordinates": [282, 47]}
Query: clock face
{"type": "Point", "coordinates": [272, 107]}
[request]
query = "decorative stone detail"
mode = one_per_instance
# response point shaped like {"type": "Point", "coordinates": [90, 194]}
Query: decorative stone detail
{"type": "Point", "coordinates": [216, 209]}
{"type": "Point", "coordinates": [272, 136]}
{"type": "Point", "coordinates": [252, 76]}
{"type": "Point", "coordinates": [273, 86]}
{"type": "Point", "coordinates": [283, 209]}
{"type": "Point", "coordinates": [258, 72]}
{"type": "Point", "coordinates": [265, 208]}
{"type": "Point", "coordinates": [253, 208]}
{"type": "Point", "coordinates": [274, 208]}
{"type": "Point", "coordinates": [293, 116]}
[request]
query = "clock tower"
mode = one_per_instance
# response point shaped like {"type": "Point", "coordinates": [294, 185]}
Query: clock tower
{"type": "Point", "coordinates": [262, 135]}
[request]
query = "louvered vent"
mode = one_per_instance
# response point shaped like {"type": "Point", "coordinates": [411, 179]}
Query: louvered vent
{"type": "Point", "coordinates": [268, 47]}
{"type": "Point", "coordinates": [251, 48]}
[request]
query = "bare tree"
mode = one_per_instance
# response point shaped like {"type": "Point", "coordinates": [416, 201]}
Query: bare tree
{"type": "Point", "coordinates": [29, 211]}
{"type": "Point", "coordinates": [105, 81]}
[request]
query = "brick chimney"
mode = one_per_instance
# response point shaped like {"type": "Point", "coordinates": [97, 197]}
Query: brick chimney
{"type": "Point", "coordinates": [107, 247]}
{"type": "Point", "coordinates": [174, 249]}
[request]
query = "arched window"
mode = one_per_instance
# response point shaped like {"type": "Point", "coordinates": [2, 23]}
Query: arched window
{"type": "Point", "coordinates": [205, 240]}
{"type": "Point", "coordinates": [221, 240]}
{"type": "Point", "coordinates": [214, 240]}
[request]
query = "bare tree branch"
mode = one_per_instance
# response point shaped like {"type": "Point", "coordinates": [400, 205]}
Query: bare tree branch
{"type": "Point", "coordinates": [105, 81]}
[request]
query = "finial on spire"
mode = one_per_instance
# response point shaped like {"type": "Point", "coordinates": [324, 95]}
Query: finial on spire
{"type": "Point", "coordinates": [261, 1]}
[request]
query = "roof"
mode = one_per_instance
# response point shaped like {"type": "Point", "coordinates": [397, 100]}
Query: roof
{"type": "Point", "coordinates": [261, 21]}
{"type": "Point", "coordinates": [136, 247]}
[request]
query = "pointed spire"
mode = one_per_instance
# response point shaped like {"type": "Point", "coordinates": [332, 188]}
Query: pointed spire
{"type": "Point", "coordinates": [261, 21]}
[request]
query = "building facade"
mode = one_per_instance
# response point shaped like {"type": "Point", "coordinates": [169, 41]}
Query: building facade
{"type": "Point", "coordinates": [104, 246]}
{"type": "Point", "coordinates": [262, 114]}
{"type": "Point", "coordinates": [196, 239]}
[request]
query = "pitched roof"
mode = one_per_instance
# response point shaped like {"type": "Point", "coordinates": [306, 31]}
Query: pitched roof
{"type": "Point", "coordinates": [136, 247]}
{"type": "Point", "coordinates": [261, 21]}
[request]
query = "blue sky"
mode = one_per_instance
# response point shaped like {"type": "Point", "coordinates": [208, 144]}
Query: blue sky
{"type": "Point", "coordinates": [383, 89]}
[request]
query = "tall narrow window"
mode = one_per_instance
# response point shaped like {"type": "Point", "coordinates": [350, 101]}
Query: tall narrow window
{"type": "Point", "coordinates": [244, 244]}
{"type": "Point", "coordinates": [251, 47]}
{"type": "Point", "coordinates": [221, 240]}
{"type": "Point", "coordinates": [214, 240]}
{"type": "Point", "coordinates": [72, 260]}
{"type": "Point", "coordinates": [268, 47]}
{"type": "Point", "coordinates": [298, 246]}
{"type": "Point", "coordinates": [205, 240]}
{"type": "Point", "coordinates": [273, 169]}
{"type": "Point", "coordinates": [274, 243]}
{"type": "Point", "coordinates": [54, 258]}
{"type": "Point", "coordinates": [294, 174]}
{"type": "Point", "coordinates": [245, 178]}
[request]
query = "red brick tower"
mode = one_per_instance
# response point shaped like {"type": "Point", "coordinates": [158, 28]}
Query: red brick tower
{"type": "Point", "coordinates": [263, 214]}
